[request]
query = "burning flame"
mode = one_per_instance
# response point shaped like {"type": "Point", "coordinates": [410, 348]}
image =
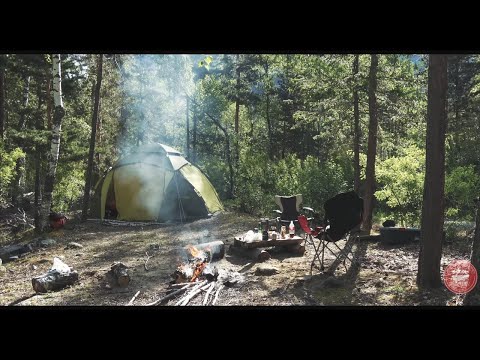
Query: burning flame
{"type": "Point", "coordinates": [194, 251]}
{"type": "Point", "coordinates": [196, 264]}
{"type": "Point", "coordinates": [198, 270]}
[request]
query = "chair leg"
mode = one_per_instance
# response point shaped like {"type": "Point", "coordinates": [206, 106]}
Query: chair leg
{"type": "Point", "coordinates": [316, 255]}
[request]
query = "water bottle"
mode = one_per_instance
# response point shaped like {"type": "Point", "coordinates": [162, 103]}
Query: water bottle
{"type": "Point", "coordinates": [291, 229]}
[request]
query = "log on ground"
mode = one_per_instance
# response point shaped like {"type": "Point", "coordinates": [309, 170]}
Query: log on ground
{"type": "Point", "coordinates": [54, 280]}
{"type": "Point", "coordinates": [215, 250]}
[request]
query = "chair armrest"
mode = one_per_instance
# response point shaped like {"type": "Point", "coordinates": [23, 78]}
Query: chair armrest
{"type": "Point", "coordinates": [278, 212]}
{"type": "Point", "coordinates": [308, 209]}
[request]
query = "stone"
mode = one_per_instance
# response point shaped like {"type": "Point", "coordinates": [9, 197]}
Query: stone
{"type": "Point", "coordinates": [73, 245]}
{"type": "Point", "coordinates": [265, 269]}
{"type": "Point", "coordinates": [3, 270]}
{"type": "Point", "coordinates": [47, 242]}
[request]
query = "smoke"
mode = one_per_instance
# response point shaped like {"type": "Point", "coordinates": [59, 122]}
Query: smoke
{"type": "Point", "coordinates": [154, 88]}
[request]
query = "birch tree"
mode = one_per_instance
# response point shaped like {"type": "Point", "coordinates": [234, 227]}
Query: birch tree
{"type": "Point", "coordinates": [52, 155]}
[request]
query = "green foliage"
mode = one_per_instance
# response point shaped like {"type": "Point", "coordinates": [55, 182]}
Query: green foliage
{"type": "Point", "coordinates": [400, 180]}
{"type": "Point", "coordinates": [320, 181]}
{"type": "Point", "coordinates": [7, 168]}
{"type": "Point", "coordinates": [462, 185]}
{"type": "Point", "coordinates": [68, 190]}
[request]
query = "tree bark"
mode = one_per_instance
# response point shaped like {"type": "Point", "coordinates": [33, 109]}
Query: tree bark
{"type": "Point", "coordinates": [372, 144]}
{"type": "Point", "coordinates": [237, 99]}
{"type": "Point", "coordinates": [356, 130]}
{"type": "Point", "coordinates": [19, 181]}
{"type": "Point", "coordinates": [93, 135]}
{"type": "Point", "coordinates": [38, 159]}
{"type": "Point", "coordinates": [194, 138]}
{"type": "Point", "coordinates": [2, 96]}
{"type": "Point", "coordinates": [54, 280]}
{"type": "Point", "coordinates": [473, 297]}
{"type": "Point", "coordinates": [52, 155]}
{"type": "Point", "coordinates": [49, 97]}
{"type": "Point", "coordinates": [214, 249]}
{"type": "Point", "coordinates": [433, 192]}
{"type": "Point", "coordinates": [188, 127]}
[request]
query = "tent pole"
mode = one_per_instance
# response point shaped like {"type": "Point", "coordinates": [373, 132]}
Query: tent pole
{"type": "Point", "coordinates": [180, 205]}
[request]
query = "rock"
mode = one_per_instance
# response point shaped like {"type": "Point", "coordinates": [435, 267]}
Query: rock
{"type": "Point", "coordinates": [47, 242]}
{"type": "Point", "coordinates": [11, 258]}
{"type": "Point", "coordinates": [0, 261]}
{"type": "Point", "coordinates": [33, 267]}
{"type": "Point", "coordinates": [79, 254]}
{"type": "Point", "coordinates": [265, 269]}
{"type": "Point", "coordinates": [3, 270]}
{"type": "Point", "coordinates": [73, 245]}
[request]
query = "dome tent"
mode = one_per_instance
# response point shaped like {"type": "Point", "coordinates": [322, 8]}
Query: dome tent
{"type": "Point", "coordinates": [155, 182]}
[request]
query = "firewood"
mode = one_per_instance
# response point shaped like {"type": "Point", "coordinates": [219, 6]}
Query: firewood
{"type": "Point", "coordinates": [183, 301]}
{"type": "Point", "coordinates": [205, 300]}
{"type": "Point", "coordinates": [133, 298]}
{"type": "Point", "coordinates": [216, 295]}
{"type": "Point", "coordinates": [210, 272]}
{"type": "Point", "coordinates": [58, 277]}
{"type": "Point", "coordinates": [120, 273]}
{"type": "Point", "coordinates": [298, 249]}
{"type": "Point", "coordinates": [172, 294]}
{"type": "Point", "coordinates": [255, 254]}
{"type": "Point", "coordinates": [215, 250]}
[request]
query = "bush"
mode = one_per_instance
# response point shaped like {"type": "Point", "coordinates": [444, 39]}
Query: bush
{"type": "Point", "coordinates": [462, 185]}
{"type": "Point", "coordinates": [7, 168]}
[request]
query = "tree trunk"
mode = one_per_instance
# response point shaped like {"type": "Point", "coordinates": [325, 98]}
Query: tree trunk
{"type": "Point", "coordinates": [93, 135]}
{"type": "Point", "coordinates": [356, 134]}
{"type": "Point", "coordinates": [19, 181]}
{"type": "Point", "coordinates": [194, 139]}
{"type": "Point", "coordinates": [38, 159]}
{"type": "Point", "coordinates": [49, 97]}
{"type": "Point", "coordinates": [269, 122]}
{"type": "Point", "coordinates": [473, 297]}
{"type": "Point", "coordinates": [2, 96]}
{"type": "Point", "coordinates": [188, 127]}
{"type": "Point", "coordinates": [52, 155]}
{"type": "Point", "coordinates": [237, 114]}
{"type": "Point", "coordinates": [237, 100]}
{"type": "Point", "coordinates": [433, 192]}
{"type": "Point", "coordinates": [372, 145]}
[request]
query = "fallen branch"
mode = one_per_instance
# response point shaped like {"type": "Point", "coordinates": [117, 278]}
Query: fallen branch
{"type": "Point", "coordinates": [205, 300]}
{"type": "Point", "coordinates": [133, 299]}
{"type": "Point", "coordinates": [146, 261]}
{"type": "Point", "coordinates": [169, 296]}
{"type": "Point", "coordinates": [216, 295]}
{"type": "Point", "coordinates": [22, 299]}
{"type": "Point", "coordinates": [194, 291]}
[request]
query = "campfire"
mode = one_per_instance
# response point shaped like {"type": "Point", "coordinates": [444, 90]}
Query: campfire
{"type": "Point", "coordinates": [196, 267]}
{"type": "Point", "coordinates": [196, 274]}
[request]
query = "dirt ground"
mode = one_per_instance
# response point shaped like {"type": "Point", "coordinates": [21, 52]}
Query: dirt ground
{"type": "Point", "coordinates": [385, 275]}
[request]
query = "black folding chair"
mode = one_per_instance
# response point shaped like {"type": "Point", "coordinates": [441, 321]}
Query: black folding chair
{"type": "Point", "coordinates": [290, 210]}
{"type": "Point", "coordinates": [343, 217]}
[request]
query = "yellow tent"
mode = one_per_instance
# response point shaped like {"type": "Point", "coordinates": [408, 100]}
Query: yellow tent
{"type": "Point", "coordinates": [155, 183]}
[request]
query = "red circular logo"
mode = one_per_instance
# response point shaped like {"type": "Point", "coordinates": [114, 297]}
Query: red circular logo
{"type": "Point", "coordinates": [460, 276]}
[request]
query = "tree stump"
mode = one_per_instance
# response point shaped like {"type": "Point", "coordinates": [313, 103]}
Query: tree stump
{"type": "Point", "coordinates": [120, 273]}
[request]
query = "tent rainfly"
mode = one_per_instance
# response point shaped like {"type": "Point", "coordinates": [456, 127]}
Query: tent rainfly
{"type": "Point", "coordinates": [155, 183]}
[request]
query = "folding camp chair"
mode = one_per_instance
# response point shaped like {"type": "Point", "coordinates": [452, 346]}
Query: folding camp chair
{"type": "Point", "coordinates": [343, 216]}
{"type": "Point", "coordinates": [290, 209]}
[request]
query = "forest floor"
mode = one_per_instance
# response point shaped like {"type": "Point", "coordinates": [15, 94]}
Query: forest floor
{"type": "Point", "coordinates": [386, 274]}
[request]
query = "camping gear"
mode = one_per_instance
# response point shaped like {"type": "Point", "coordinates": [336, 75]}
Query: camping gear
{"type": "Point", "coordinates": [398, 235]}
{"type": "Point", "coordinates": [290, 209]}
{"type": "Point", "coordinates": [155, 182]}
{"type": "Point", "coordinates": [343, 216]}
